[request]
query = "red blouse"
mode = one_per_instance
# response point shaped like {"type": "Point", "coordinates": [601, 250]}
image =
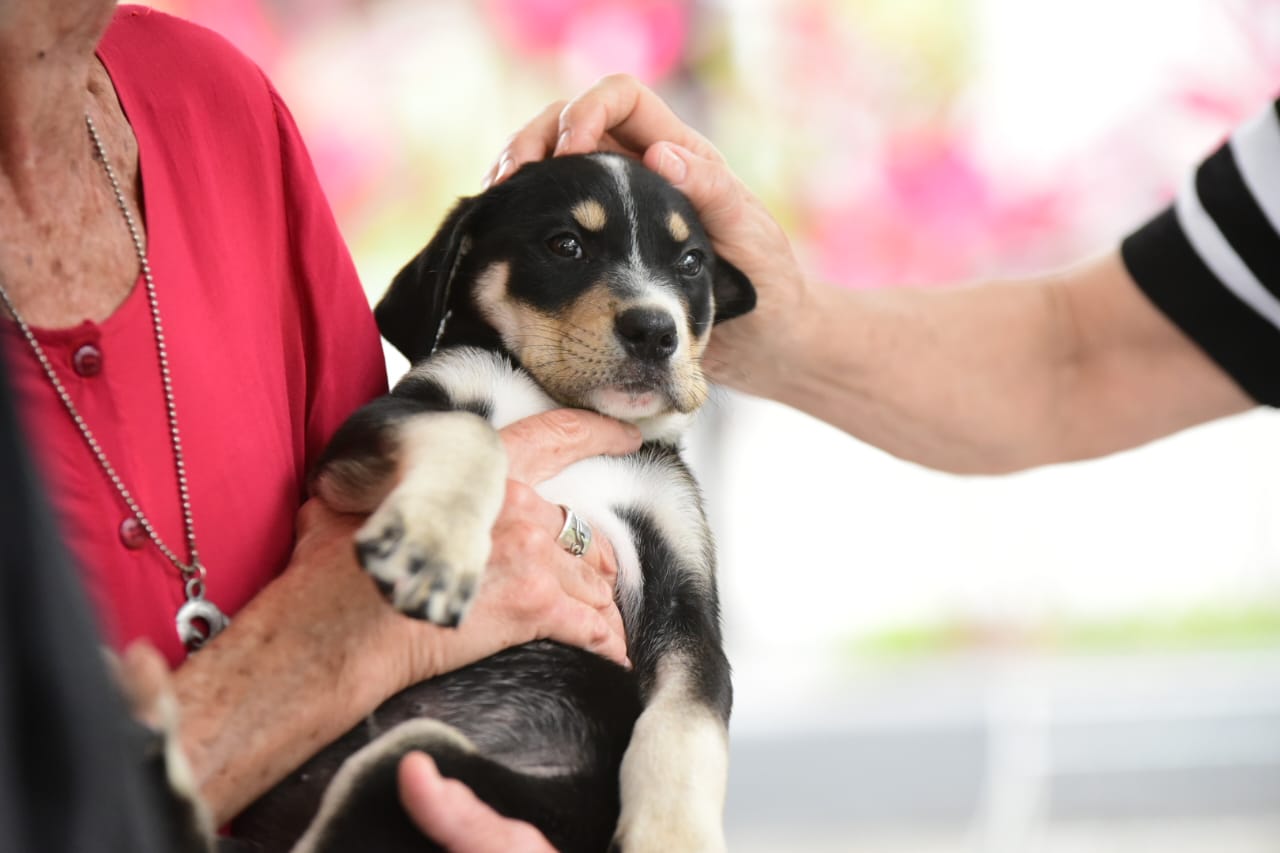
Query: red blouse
{"type": "Point", "coordinates": [270, 337]}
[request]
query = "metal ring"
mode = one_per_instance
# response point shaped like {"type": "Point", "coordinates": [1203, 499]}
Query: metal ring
{"type": "Point", "coordinates": [575, 536]}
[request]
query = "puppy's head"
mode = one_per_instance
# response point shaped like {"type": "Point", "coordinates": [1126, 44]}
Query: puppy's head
{"type": "Point", "coordinates": [591, 271]}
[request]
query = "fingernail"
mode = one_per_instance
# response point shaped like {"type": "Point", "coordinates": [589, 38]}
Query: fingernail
{"type": "Point", "coordinates": [672, 166]}
{"type": "Point", "coordinates": [562, 142]}
{"type": "Point", "coordinates": [503, 168]}
{"type": "Point", "coordinates": [487, 180]}
{"type": "Point", "coordinates": [421, 765]}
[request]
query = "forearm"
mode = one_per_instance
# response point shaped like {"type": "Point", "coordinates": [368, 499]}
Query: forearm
{"type": "Point", "coordinates": [996, 376]}
{"type": "Point", "coordinates": [249, 715]}
{"type": "Point", "coordinates": [961, 379]}
{"type": "Point", "coordinates": [280, 683]}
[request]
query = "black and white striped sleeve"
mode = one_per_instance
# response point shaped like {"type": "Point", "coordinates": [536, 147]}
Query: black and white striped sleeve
{"type": "Point", "coordinates": [1211, 261]}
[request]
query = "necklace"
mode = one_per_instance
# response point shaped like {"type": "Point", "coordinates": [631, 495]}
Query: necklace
{"type": "Point", "coordinates": [198, 619]}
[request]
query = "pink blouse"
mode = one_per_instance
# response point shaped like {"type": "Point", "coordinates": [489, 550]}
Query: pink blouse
{"type": "Point", "coordinates": [270, 337]}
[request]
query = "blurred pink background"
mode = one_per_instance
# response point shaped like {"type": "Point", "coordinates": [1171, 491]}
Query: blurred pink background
{"type": "Point", "coordinates": [874, 129]}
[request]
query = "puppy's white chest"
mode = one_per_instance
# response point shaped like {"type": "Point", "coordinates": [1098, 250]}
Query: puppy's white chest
{"type": "Point", "coordinates": [596, 489]}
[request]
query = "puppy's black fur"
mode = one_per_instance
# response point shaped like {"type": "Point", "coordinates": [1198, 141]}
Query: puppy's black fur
{"type": "Point", "coordinates": [584, 282]}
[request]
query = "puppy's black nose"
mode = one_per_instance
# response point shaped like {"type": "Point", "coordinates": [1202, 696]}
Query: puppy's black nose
{"type": "Point", "coordinates": [647, 333]}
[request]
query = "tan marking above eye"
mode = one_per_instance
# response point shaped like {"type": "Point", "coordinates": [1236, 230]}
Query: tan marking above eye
{"type": "Point", "coordinates": [590, 215]}
{"type": "Point", "coordinates": [678, 227]}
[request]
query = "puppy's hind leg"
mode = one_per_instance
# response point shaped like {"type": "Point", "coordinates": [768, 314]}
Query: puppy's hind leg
{"type": "Point", "coordinates": [675, 770]}
{"type": "Point", "coordinates": [361, 808]}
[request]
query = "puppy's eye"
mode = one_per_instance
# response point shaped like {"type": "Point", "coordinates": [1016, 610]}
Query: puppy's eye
{"type": "Point", "coordinates": [566, 246]}
{"type": "Point", "coordinates": [690, 264]}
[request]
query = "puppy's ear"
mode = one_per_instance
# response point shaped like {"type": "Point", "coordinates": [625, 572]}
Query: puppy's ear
{"type": "Point", "coordinates": [735, 294]}
{"type": "Point", "coordinates": [412, 313]}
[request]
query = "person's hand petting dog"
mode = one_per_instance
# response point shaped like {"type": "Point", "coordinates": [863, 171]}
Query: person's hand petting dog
{"type": "Point", "coordinates": [620, 114]}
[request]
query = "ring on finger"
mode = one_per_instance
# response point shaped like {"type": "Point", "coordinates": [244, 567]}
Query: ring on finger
{"type": "Point", "coordinates": [575, 536]}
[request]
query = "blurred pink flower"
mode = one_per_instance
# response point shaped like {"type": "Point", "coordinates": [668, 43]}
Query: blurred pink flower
{"type": "Point", "coordinates": [245, 23]}
{"type": "Point", "coordinates": [1229, 102]}
{"type": "Point", "coordinates": [351, 165]}
{"type": "Point", "coordinates": [933, 218]}
{"type": "Point", "coordinates": [931, 178]}
{"type": "Point", "coordinates": [595, 37]}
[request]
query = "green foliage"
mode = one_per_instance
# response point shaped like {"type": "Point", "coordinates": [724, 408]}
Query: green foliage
{"type": "Point", "coordinates": [1222, 626]}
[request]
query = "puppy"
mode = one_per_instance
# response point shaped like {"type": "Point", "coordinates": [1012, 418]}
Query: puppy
{"type": "Point", "coordinates": [584, 282]}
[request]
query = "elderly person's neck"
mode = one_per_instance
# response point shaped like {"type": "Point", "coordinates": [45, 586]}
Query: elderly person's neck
{"type": "Point", "coordinates": [46, 64]}
{"type": "Point", "coordinates": [66, 254]}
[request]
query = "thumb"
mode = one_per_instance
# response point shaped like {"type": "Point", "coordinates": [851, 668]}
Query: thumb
{"type": "Point", "coordinates": [709, 184]}
{"type": "Point", "coordinates": [447, 812]}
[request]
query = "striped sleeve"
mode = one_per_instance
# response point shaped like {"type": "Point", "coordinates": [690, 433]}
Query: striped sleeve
{"type": "Point", "coordinates": [1211, 261]}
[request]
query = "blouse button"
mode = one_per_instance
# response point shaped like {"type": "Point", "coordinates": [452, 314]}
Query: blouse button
{"type": "Point", "coordinates": [87, 360]}
{"type": "Point", "coordinates": [132, 535]}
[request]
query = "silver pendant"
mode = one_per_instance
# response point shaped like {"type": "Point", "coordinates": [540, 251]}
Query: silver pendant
{"type": "Point", "coordinates": [199, 620]}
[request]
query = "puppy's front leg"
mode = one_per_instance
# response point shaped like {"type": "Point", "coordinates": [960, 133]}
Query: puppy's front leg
{"type": "Point", "coordinates": [427, 541]}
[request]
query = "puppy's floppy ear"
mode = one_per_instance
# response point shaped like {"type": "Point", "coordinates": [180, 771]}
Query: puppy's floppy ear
{"type": "Point", "coordinates": [412, 313]}
{"type": "Point", "coordinates": [734, 293]}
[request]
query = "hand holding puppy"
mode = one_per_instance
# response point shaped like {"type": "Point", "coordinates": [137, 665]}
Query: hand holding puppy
{"type": "Point", "coordinates": [322, 631]}
{"type": "Point", "coordinates": [532, 588]}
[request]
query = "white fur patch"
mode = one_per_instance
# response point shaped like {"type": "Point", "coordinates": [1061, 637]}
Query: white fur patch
{"type": "Point", "coordinates": [628, 405]}
{"type": "Point", "coordinates": [595, 488]}
{"type": "Point", "coordinates": [480, 377]}
{"type": "Point", "coordinates": [622, 178]}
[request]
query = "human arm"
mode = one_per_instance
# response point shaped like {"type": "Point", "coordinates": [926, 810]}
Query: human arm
{"type": "Point", "coordinates": [319, 648]}
{"type": "Point", "coordinates": [990, 377]}
{"type": "Point", "coordinates": [986, 378]}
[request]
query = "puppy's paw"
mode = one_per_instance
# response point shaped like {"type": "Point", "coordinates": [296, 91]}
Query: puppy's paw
{"type": "Point", "coordinates": [427, 543]}
{"type": "Point", "coordinates": [427, 565]}
{"type": "Point", "coordinates": [668, 834]}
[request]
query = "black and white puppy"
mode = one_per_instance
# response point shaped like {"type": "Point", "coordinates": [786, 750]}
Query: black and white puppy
{"type": "Point", "coordinates": [584, 282]}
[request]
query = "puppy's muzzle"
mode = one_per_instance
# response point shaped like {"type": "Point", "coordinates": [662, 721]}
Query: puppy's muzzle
{"type": "Point", "coordinates": [647, 334]}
